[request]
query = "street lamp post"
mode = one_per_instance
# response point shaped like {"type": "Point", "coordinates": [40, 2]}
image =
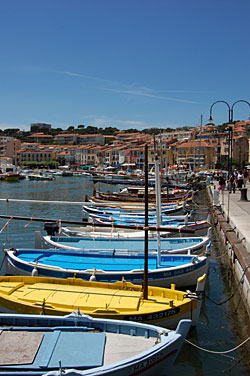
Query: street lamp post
{"type": "Point", "coordinates": [230, 137]}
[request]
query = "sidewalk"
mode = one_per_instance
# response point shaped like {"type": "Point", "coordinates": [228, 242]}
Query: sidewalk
{"type": "Point", "coordinates": [236, 212]}
{"type": "Point", "coordinates": [232, 222]}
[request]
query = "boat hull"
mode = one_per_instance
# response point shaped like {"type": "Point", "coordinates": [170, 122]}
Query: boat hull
{"type": "Point", "coordinates": [122, 301]}
{"type": "Point", "coordinates": [155, 358]}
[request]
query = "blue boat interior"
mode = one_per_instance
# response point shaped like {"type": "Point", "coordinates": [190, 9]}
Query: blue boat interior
{"type": "Point", "coordinates": [78, 260]}
{"type": "Point", "coordinates": [129, 244]}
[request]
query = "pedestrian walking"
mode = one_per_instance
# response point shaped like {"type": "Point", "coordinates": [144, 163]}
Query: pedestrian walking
{"type": "Point", "coordinates": [222, 184]}
{"type": "Point", "coordinates": [232, 183]}
{"type": "Point", "coordinates": [245, 177]}
{"type": "Point", "coordinates": [240, 179]}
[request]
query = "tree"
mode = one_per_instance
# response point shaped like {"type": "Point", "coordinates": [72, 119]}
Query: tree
{"type": "Point", "coordinates": [71, 128]}
{"type": "Point", "coordinates": [91, 130]}
{"type": "Point", "coordinates": [12, 132]}
{"type": "Point", "coordinates": [109, 130]}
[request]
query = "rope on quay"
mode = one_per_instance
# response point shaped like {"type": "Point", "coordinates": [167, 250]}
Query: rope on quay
{"type": "Point", "coordinates": [219, 352]}
{"type": "Point", "coordinates": [231, 296]}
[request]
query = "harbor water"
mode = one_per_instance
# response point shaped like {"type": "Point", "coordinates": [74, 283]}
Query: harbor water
{"type": "Point", "coordinates": [223, 324]}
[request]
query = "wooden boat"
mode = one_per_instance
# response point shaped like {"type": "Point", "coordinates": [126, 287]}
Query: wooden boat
{"type": "Point", "coordinates": [93, 232]}
{"type": "Point", "coordinates": [83, 346]}
{"type": "Point", "coordinates": [11, 177]}
{"type": "Point", "coordinates": [96, 210]}
{"type": "Point", "coordinates": [183, 270]}
{"type": "Point", "coordinates": [116, 245]}
{"type": "Point", "coordinates": [120, 300]}
{"type": "Point", "coordinates": [103, 232]}
{"type": "Point", "coordinates": [130, 221]}
{"type": "Point", "coordinates": [140, 196]}
{"type": "Point", "coordinates": [120, 201]}
{"type": "Point", "coordinates": [137, 206]}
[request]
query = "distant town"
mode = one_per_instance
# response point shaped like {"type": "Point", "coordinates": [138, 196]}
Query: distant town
{"type": "Point", "coordinates": [206, 147]}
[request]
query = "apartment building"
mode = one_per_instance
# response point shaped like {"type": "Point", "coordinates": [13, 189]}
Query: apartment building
{"type": "Point", "coordinates": [195, 153]}
{"type": "Point", "coordinates": [41, 137]}
{"type": "Point", "coordinates": [9, 147]}
{"type": "Point", "coordinates": [67, 138]}
{"type": "Point", "coordinates": [90, 155]}
{"type": "Point", "coordinates": [92, 139]}
{"type": "Point", "coordinates": [37, 155]}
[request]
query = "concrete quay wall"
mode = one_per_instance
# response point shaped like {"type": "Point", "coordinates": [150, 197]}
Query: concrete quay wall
{"type": "Point", "coordinates": [233, 230]}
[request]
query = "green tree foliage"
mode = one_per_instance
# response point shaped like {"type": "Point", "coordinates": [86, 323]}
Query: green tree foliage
{"type": "Point", "coordinates": [131, 130]}
{"type": "Point", "coordinates": [11, 132]}
{"type": "Point", "coordinates": [109, 130]}
{"type": "Point", "coordinates": [152, 130]}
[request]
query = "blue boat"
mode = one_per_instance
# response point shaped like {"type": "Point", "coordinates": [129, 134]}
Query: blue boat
{"type": "Point", "coordinates": [78, 345]}
{"type": "Point", "coordinates": [95, 209]}
{"type": "Point", "coordinates": [181, 270]}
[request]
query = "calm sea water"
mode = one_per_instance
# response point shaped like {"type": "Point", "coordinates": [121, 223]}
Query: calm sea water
{"type": "Point", "coordinates": [221, 327]}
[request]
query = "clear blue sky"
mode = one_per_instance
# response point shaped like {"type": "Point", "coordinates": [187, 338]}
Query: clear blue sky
{"type": "Point", "coordinates": [123, 63]}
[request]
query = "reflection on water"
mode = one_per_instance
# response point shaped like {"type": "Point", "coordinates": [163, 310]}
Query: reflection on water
{"type": "Point", "coordinates": [221, 327]}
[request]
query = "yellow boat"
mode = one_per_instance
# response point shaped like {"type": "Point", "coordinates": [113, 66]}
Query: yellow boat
{"type": "Point", "coordinates": [120, 300]}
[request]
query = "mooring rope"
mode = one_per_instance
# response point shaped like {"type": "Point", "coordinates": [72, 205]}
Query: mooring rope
{"type": "Point", "coordinates": [231, 296]}
{"type": "Point", "coordinates": [219, 352]}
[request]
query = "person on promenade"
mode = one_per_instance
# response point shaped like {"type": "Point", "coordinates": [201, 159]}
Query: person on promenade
{"type": "Point", "coordinates": [222, 184]}
{"type": "Point", "coordinates": [232, 183]}
{"type": "Point", "coordinates": [245, 177]}
{"type": "Point", "coordinates": [240, 179]}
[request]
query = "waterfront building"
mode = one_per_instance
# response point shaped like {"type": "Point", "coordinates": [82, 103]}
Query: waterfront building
{"type": "Point", "coordinates": [240, 150]}
{"type": "Point", "coordinates": [66, 138]}
{"type": "Point", "coordinates": [9, 147]}
{"type": "Point", "coordinates": [135, 155]}
{"type": "Point", "coordinates": [93, 139]}
{"type": "Point", "coordinates": [126, 136]}
{"type": "Point", "coordinates": [114, 155]}
{"type": "Point", "coordinates": [41, 137]}
{"type": "Point", "coordinates": [37, 155]}
{"type": "Point", "coordinates": [195, 154]}
{"type": "Point", "coordinates": [90, 155]}
{"type": "Point", "coordinates": [178, 133]}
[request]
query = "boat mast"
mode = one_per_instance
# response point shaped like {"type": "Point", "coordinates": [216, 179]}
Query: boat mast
{"type": "Point", "coordinates": [200, 142]}
{"type": "Point", "coordinates": [158, 203]}
{"type": "Point", "coordinates": [145, 281]}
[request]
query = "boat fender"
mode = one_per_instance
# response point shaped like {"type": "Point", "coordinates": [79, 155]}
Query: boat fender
{"type": "Point", "coordinates": [124, 284]}
{"type": "Point", "coordinates": [92, 278]}
{"type": "Point", "coordinates": [186, 219]}
{"type": "Point", "coordinates": [34, 272]}
{"type": "Point", "coordinates": [208, 252]}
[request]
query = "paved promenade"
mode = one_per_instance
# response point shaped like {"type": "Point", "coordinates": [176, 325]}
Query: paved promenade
{"type": "Point", "coordinates": [232, 220]}
{"type": "Point", "coordinates": [237, 211]}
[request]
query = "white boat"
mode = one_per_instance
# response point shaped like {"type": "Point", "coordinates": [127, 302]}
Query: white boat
{"type": "Point", "coordinates": [41, 176]}
{"type": "Point", "coordinates": [117, 245]}
{"type": "Point", "coordinates": [78, 345]}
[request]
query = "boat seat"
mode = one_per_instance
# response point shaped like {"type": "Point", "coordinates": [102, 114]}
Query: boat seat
{"type": "Point", "coordinates": [9, 287]}
{"type": "Point", "coordinates": [45, 350]}
{"type": "Point", "coordinates": [18, 348]}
